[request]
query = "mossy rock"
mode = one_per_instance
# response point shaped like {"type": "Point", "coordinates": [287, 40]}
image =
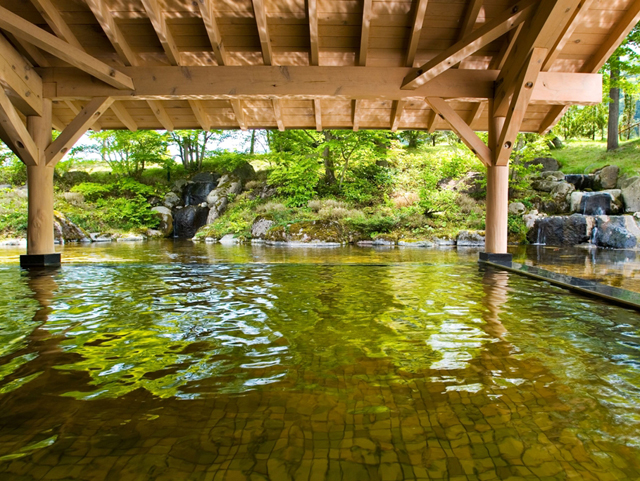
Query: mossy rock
{"type": "Point", "coordinates": [316, 231]}
{"type": "Point", "coordinates": [277, 234]}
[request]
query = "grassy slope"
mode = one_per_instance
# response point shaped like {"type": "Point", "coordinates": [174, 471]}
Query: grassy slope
{"type": "Point", "coordinates": [582, 157]}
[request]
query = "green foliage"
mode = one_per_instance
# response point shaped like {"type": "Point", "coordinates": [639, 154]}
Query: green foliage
{"type": "Point", "coordinates": [372, 222]}
{"type": "Point", "coordinates": [237, 220]}
{"type": "Point", "coordinates": [126, 187]}
{"type": "Point", "coordinates": [432, 200]}
{"type": "Point", "coordinates": [296, 177]}
{"type": "Point", "coordinates": [225, 162]}
{"type": "Point", "coordinates": [366, 183]}
{"type": "Point", "coordinates": [13, 214]}
{"type": "Point", "coordinates": [128, 214]}
{"type": "Point", "coordinates": [517, 227]}
{"type": "Point", "coordinates": [92, 191]}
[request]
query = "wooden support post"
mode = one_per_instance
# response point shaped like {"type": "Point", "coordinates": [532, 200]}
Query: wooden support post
{"type": "Point", "coordinates": [40, 251]}
{"type": "Point", "coordinates": [497, 196]}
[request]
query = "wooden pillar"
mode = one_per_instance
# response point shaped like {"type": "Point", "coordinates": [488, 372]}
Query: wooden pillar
{"type": "Point", "coordinates": [40, 250]}
{"type": "Point", "coordinates": [497, 196]}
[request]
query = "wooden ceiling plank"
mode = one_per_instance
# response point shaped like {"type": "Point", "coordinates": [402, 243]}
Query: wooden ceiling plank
{"type": "Point", "coordinates": [476, 112]}
{"type": "Point", "coordinates": [201, 114]}
{"type": "Point", "coordinates": [277, 111]}
{"type": "Point", "coordinates": [63, 50]}
{"type": "Point", "coordinates": [15, 133]}
{"type": "Point", "coordinates": [314, 50]}
{"type": "Point", "coordinates": [57, 123]}
{"type": "Point", "coordinates": [113, 32]}
{"type": "Point", "coordinates": [317, 111]}
{"type": "Point", "coordinates": [18, 76]}
{"type": "Point", "coordinates": [159, 22]}
{"type": "Point", "coordinates": [263, 31]}
{"type": "Point", "coordinates": [213, 31]}
{"type": "Point", "coordinates": [76, 129]}
{"type": "Point", "coordinates": [552, 118]}
{"type": "Point", "coordinates": [620, 32]}
{"type": "Point", "coordinates": [497, 62]}
{"type": "Point", "coordinates": [416, 31]}
{"type": "Point", "coordinates": [478, 39]}
{"type": "Point", "coordinates": [460, 127]}
{"type": "Point", "coordinates": [236, 105]}
{"type": "Point", "coordinates": [364, 35]}
{"type": "Point", "coordinates": [124, 116]}
{"type": "Point", "coordinates": [519, 105]}
{"type": "Point", "coordinates": [396, 113]}
{"type": "Point", "coordinates": [161, 114]}
{"type": "Point", "coordinates": [53, 18]}
{"type": "Point", "coordinates": [470, 18]}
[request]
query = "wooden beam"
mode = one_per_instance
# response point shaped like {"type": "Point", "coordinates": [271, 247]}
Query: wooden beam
{"type": "Point", "coordinates": [364, 34]}
{"type": "Point", "coordinates": [314, 49]}
{"type": "Point", "coordinates": [76, 129]}
{"type": "Point", "coordinates": [346, 83]}
{"type": "Point", "coordinates": [161, 114]}
{"type": "Point", "coordinates": [466, 134]}
{"type": "Point", "coordinates": [263, 31]}
{"type": "Point", "coordinates": [478, 39]}
{"type": "Point", "coordinates": [15, 133]}
{"type": "Point", "coordinates": [32, 53]}
{"type": "Point", "coordinates": [213, 31]}
{"type": "Point", "coordinates": [470, 18]}
{"type": "Point", "coordinates": [152, 7]}
{"type": "Point", "coordinates": [123, 116]}
{"type": "Point", "coordinates": [620, 32]}
{"type": "Point", "coordinates": [53, 18]}
{"type": "Point", "coordinates": [112, 31]}
{"type": "Point", "coordinates": [277, 111]}
{"type": "Point", "coordinates": [357, 110]}
{"type": "Point", "coordinates": [76, 109]}
{"type": "Point", "coordinates": [519, 104]}
{"type": "Point", "coordinates": [552, 118]}
{"type": "Point", "coordinates": [19, 27]}
{"type": "Point", "coordinates": [416, 31]}
{"type": "Point", "coordinates": [431, 123]}
{"type": "Point", "coordinates": [201, 114]}
{"type": "Point", "coordinates": [317, 111]}
{"type": "Point", "coordinates": [396, 114]}
{"type": "Point", "coordinates": [57, 123]}
{"type": "Point", "coordinates": [497, 62]}
{"type": "Point", "coordinates": [19, 77]}
{"type": "Point", "coordinates": [236, 105]}
{"type": "Point", "coordinates": [476, 112]}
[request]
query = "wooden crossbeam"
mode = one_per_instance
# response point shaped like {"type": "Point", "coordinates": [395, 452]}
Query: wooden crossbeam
{"type": "Point", "coordinates": [473, 42]}
{"type": "Point", "coordinates": [522, 94]}
{"type": "Point", "coordinates": [459, 126]}
{"type": "Point", "coordinates": [314, 50]}
{"type": "Point", "coordinates": [161, 114]}
{"type": "Point", "coordinates": [236, 105]}
{"type": "Point", "coordinates": [416, 31]}
{"type": "Point", "coordinates": [317, 111]}
{"type": "Point", "coordinates": [53, 18]}
{"type": "Point", "coordinates": [14, 133]}
{"type": "Point", "coordinates": [431, 123]}
{"type": "Point", "coordinates": [19, 78]}
{"type": "Point", "coordinates": [396, 114]}
{"type": "Point", "coordinates": [543, 31]}
{"type": "Point", "coordinates": [213, 31]}
{"type": "Point", "coordinates": [476, 112]}
{"type": "Point", "coordinates": [123, 116]}
{"type": "Point", "coordinates": [32, 53]}
{"type": "Point", "coordinates": [357, 110]}
{"type": "Point", "coordinates": [76, 109]}
{"type": "Point", "coordinates": [277, 111]}
{"type": "Point", "coordinates": [364, 34]}
{"type": "Point", "coordinates": [50, 43]}
{"type": "Point", "coordinates": [498, 60]}
{"type": "Point", "coordinates": [76, 129]}
{"type": "Point", "coordinates": [263, 31]}
{"type": "Point", "coordinates": [113, 32]}
{"type": "Point", "coordinates": [201, 114]}
{"type": "Point", "coordinates": [470, 18]}
{"type": "Point", "coordinates": [346, 83]}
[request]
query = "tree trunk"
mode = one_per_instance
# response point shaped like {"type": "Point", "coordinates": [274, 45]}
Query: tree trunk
{"type": "Point", "coordinates": [329, 165]}
{"type": "Point", "coordinates": [253, 142]}
{"type": "Point", "coordinates": [614, 109]}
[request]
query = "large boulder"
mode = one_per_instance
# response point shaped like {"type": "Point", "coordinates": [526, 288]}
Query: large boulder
{"type": "Point", "coordinates": [607, 178]}
{"type": "Point", "coordinates": [517, 208]}
{"type": "Point", "coordinates": [244, 172]}
{"type": "Point", "coordinates": [617, 232]}
{"type": "Point", "coordinates": [171, 200]}
{"type": "Point", "coordinates": [308, 232]}
{"type": "Point", "coordinates": [581, 182]}
{"type": "Point", "coordinates": [546, 164]}
{"type": "Point", "coordinates": [166, 220]}
{"type": "Point", "coordinates": [66, 231]}
{"type": "Point", "coordinates": [561, 230]}
{"type": "Point", "coordinates": [560, 192]}
{"type": "Point", "coordinates": [197, 190]}
{"type": "Point", "coordinates": [74, 198]}
{"type": "Point", "coordinates": [260, 227]}
{"type": "Point", "coordinates": [545, 184]}
{"type": "Point", "coordinates": [631, 196]}
{"type": "Point", "coordinates": [218, 199]}
{"type": "Point", "coordinates": [596, 203]}
{"type": "Point", "coordinates": [188, 220]}
{"type": "Point", "coordinates": [469, 238]}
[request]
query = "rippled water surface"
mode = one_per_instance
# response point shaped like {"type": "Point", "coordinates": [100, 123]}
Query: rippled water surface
{"type": "Point", "coordinates": [172, 361]}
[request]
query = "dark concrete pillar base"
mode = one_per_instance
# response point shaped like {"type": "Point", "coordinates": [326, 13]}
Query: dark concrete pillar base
{"type": "Point", "coordinates": [39, 260]}
{"type": "Point", "coordinates": [503, 259]}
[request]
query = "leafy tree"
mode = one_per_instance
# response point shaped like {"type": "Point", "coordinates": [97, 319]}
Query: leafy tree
{"type": "Point", "coordinates": [193, 146]}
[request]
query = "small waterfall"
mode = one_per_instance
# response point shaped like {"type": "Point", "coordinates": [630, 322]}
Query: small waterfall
{"type": "Point", "coordinates": [541, 237]}
{"type": "Point", "coordinates": [594, 235]}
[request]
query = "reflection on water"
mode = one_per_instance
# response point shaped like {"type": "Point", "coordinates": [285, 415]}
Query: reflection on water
{"type": "Point", "coordinates": [260, 364]}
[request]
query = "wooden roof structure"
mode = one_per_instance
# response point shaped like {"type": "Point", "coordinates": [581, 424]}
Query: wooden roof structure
{"type": "Point", "coordinates": [312, 64]}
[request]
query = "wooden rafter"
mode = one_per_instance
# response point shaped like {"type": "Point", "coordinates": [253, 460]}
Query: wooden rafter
{"type": "Point", "coordinates": [431, 123]}
{"type": "Point", "coordinates": [201, 114]}
{"type": "Point", "coordinates": [76, 129]}
{"type": "Point", "coordinates": [317, 111]}
{"type": "Point", "coordinates": [113, 32]}
{"type": "Point", "coordinates": [152, 7]}
{"type": "Point", "coordinates": [459, 126]}
{"type": "Point", "coordinates": [77, 108]}
{"type": "Point", "coordinates": [263, 31]}
{"type": "Point", "coordinates": [552, 118]}
{"type": "Point", "coordinates": [161, 114]}
{"type": "Point", "coordinates": [213, 31]}
{"type": "Point", "coordinates": [277, 111]}
{"type": "Point", "coordinates": [519, 103]}
{"type": "Point", "coordinates": [314, 50]}
{"type": "Point", "coordinates": [53, 18]}
{"type": "Point", "coordinates": [14, 133]}
{"type": "Point", "coordinates": [470, 18]}
{"type": "Point", "coordinates": [236, 105]}
{"type": "Point", "coordinates": [498, 60]}
{"type": "Point", "coordinates": [364, 34]}
{"type": "Point", "coordinates": [473, 42]}
{"type": "Point", "coordinates": [123, 116]}
{"type": "Point", "coordinates": [396, 114]}
{"type": "Point", "coordinates": [19, 77]}
{"type": "Point", "coordinates": [476, 112]}
{"type": "Point", "coordinates": [63, 50]}
{"type": "Point", "coordinates": [416, 31]}
{"type": "Point", "coordinates": [32, 53]}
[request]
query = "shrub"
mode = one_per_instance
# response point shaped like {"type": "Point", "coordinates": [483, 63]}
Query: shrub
{"type": "Point", "coordinates": [127, 213]}
{"type": "Point", "coordinates": [296, 178]}
{"type": "Point", "coordinates": [371, 224]}
{"type": "Point", "coordinates": [271, 208]}
{"type": "Point", "coordinates": [366, 183]}
{"type": "Point", "coordinates": [92, 191]}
